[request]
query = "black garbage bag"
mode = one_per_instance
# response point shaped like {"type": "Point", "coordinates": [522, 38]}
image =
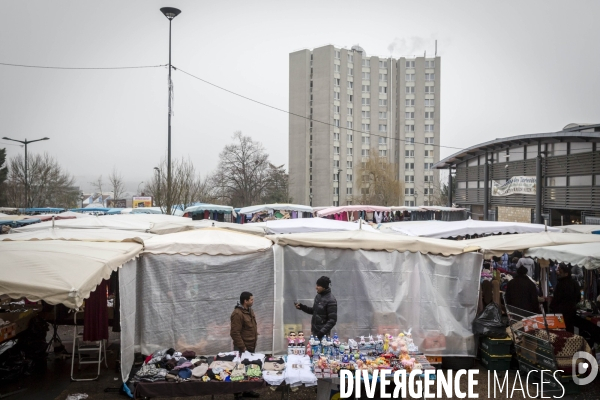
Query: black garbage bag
{"type": "Point", "coordinates": [489, 322]}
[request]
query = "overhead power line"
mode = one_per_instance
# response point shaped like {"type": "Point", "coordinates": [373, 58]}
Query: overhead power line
{"type": "Point", "coordinates": [323, 122]}
{"type": "Point", "coordinates": [81, 68]}
{"type": "Point", "coordinates": [303, 116]}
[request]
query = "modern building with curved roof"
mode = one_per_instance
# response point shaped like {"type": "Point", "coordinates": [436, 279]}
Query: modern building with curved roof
{"type": "Point", "coordinates": [552, 176]}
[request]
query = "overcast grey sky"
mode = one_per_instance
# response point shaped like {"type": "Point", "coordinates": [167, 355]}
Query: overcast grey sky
{"type": "Point", "coordinates": [508, 68]}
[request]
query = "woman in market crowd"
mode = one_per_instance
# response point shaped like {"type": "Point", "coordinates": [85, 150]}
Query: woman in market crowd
{"type": "Point", "coordinates": [522, 293]}
{"type": "Point", "coordinates": [566, 296]}
{"type": "Point", "coordinates": [323, 311]}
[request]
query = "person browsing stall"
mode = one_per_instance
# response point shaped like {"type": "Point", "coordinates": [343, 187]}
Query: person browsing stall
{"type": "Point", "coordinates": [566, 296]}
{"type": "Point", "coordinates": [244, 332]}
{"type": "Point", "coordinates": [323, 311]}
{"type": "Point", "coordinates": [521, 292]}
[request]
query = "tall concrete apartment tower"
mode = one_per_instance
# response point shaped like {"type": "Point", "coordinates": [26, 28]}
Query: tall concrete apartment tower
{"type": "Point", "coordinates": [366, 103]}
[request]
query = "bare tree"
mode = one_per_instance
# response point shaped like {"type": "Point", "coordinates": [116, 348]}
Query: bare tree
{"type": "Point", "coordinates": [49, 185]}
{"type": "Point", "coordinates": [378, 182]}
{"type": "Point", "coordinates": [243, 171]}
{"type": "Point", "coordinates": [116, 181]}
{"type": "Point", "coordinates": [97, 185]}
{"type": "Point", "coordinates": [187, 187]}
{"type": "Point", "coordinates": [439, 197]}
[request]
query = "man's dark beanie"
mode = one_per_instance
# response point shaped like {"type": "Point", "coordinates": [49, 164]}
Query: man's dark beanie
{"type": "Point", "coordinates": [522, 270]}
{"type": "Point", "coordinates": [324, 282]}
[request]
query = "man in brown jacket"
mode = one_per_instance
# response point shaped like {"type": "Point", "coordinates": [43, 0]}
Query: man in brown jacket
{"type": "Point", "coordinates": [243, 324]}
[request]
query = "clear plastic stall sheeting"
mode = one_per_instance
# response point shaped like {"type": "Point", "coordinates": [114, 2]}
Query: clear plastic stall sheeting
{"type": "Point", "coordinates": [185, 302]}
{"type": "Point", "coordinates": [383, 292]}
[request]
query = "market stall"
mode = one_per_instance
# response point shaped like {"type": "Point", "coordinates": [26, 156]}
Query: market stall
{"type": "Point", "coordinates": [130, 222]}
{"type": "Point", "coordinates": [312, 225]}
{"type": "Point", "coordinates": [85, 235]}
{"type": "Point", "coordinates": [163, 228]}
{"type": "Point", "coordinates": [383, 284]}
{"type": "Point", "coordinates": [469, 227]}
{"type": "Point", "coordinates": [184, 288]}
{"type": "Point", "coordinates": [595, 229]}
{"type": "Point", "coordinates": [498, 245]}
{"type": "Point", "coordinates": [375, 214]}
{"type": "Point", "coordinates": [586, 255]}
{"type": "Point", "coordinates": [213, 212]}
{"type": "Point", "coordinates": [428, 213]}
{"type": "Point", "coordinates": [264, 212]}
{"type": "Point", "coordinates": [59, 271]}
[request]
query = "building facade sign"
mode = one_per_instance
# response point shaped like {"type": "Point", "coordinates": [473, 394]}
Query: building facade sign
{"type": "Point", "coordinates": [116, 203]}
{"type": "Point", "coordinates": [515, 185]}
{"type": "Point", "coordinates": [145, 201]}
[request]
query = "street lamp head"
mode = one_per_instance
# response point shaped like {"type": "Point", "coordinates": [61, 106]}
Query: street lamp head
{"type": "Point", "coordinates": [170, 12]}
{"type": "Point", "coordinates": [46, 138]}
{"type": "Point", "coordinates": [5, 138]}
{"type": "Point", "coordinates": [156, 168]}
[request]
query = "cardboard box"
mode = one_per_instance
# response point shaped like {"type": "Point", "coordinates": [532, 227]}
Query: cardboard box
{"type": "Point", "coordinates": [8, 331]}
{"type": "Point", "coordinates": [555, 321]}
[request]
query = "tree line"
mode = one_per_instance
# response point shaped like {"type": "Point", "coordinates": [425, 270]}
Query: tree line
{"type": "Point", "coordinates": [244, 176]}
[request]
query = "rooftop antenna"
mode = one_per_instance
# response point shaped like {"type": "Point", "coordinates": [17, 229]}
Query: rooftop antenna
{"type": "Point", "coordinates": [436, 47]}
{"type": "Point", "coordinates": [425, 54]}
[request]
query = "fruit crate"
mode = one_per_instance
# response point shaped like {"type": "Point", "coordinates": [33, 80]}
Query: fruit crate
{"type": "Point", "coordinates": [496, 347]}
{"type": "Point", "coordinates": [553, 383]}
{"type": "Point", "coordinates": [495, 362]}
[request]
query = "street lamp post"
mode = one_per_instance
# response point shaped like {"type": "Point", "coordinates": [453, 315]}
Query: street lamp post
{"type": "Point", "coordinates": [26, 142]}
{"type": "Point", "coordinates": [82, 197]}
{"type": "Point", "coordinates": [138, 189]}
{"type": "Point", "coordinates": [158, 198]}
{"type": "Point", "coordinates": [170, 13]}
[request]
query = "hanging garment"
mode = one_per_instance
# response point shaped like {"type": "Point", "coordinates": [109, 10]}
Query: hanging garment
{"type": "Point", "coordinates": [95, 318]}
{"type": "Point", "coordinates": [377, 216]}
{"type": "Point", "coordinates": [114, 281]}
{"type": "Point", "coordinates": [206, 214]}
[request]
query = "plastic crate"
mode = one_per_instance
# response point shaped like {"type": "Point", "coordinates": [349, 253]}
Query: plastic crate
{"type": "Point", "coordinates": [496, 347]}
{"type": "Point", "coordinates": [552, 384]}
{"type": "Point", "coordinates": [495, 362]}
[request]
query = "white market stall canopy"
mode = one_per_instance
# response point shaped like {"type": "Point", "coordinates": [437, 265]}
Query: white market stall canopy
{"type": "Point", "coordinates": [498, 245]}
{"type": "Point", "coordinates": [302, 225]}
{"type": "Point", "coordinates": [211, 241]}
{"type": "Point", "coordinates": [129, 222]}
{"type": "Point", "coordinates": [273, 207]}
{"type": "Point", "coordinates": [585, 254]}
{"type": "Point", "coordinates": [210, 207]}
{"type": "Point", "coordinates": [363, 240]}
{"type": "Point", "coordinates": [426, 208]}
{"type": "Point", "coordinates": [445, 229]}
{"type": "Point", "coordinates": [163, 228]}
{"type": "Point", "coordinates": [335, 210]}
{"type": "Point", "coordinates": [59, 271]}
{"type": "Point", "coordinates": [84, 235]}
{"type": "Point", "coordinates": [581, 228]}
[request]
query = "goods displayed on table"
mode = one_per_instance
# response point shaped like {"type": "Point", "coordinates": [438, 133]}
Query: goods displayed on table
{"type": "Point", "coordinates": [305, 362]}
{"type": "Point", "coordinates": [174, 366]}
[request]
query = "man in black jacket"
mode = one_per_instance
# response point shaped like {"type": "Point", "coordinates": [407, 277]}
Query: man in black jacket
{"type": "Point", "coordinates": [323, 311]}
{"type": "Point", "coordinates": [521, 292]}
{"type": "Point", "coordinates": [566, 296]}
